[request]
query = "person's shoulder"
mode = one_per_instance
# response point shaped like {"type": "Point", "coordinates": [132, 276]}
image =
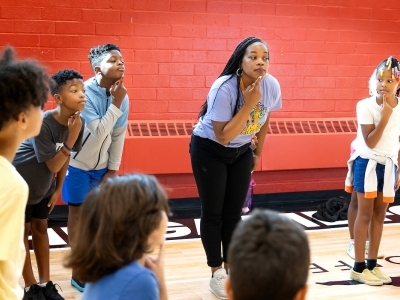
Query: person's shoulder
{"type": "Point", "coordinates": [50, 124]}
{"type": "Point", "coordinates": [227, 84]}
{"type": "Point", "coordinates": [366, 101]}
{"type": "Point", "coordinates": [48, 117]}
{"type": "Point", "coordinates": [90, 82]}
{"type": "Point", "coordinates": [227, 81]}
{"type": "Point", "coordinates": [271, 81]}
{"type": "Point", "coordinates": [10, 179]}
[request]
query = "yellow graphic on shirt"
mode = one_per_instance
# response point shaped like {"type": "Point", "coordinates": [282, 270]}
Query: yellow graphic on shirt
{"type": "Point", "coordinates": [252, 128]}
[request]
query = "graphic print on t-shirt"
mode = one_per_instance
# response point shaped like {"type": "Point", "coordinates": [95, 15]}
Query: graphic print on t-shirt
{"type": "Point", "coordinates": [249, 128]}
{"type": "Point", "coordinates": [59, 146]}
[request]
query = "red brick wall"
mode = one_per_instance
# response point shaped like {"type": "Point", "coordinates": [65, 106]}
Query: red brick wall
{"type": "Point", "coordinates": [322, 51]}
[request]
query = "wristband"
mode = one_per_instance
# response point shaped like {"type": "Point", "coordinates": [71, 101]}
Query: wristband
{"type": "Point", "coordinates": [66, 147]}
{"type": "Point", "coordinates": [65, 152]}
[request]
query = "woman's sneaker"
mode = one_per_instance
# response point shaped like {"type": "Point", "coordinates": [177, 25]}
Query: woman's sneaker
{"type": "Point", "coordinates": [217, 284]}
{"type": "Point", "coordinates": [79, 285]}
{"type": "Point", "coordinates": [382, 276]}
{"type": "Point", "coordinates": [365, 277]}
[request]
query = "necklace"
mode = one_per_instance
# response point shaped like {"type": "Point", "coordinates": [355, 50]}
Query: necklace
{"type": "Point", "coordinates": [252, 125]}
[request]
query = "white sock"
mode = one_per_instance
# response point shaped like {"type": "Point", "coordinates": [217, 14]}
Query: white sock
{"type": "Point", "coordinates": [352, 241]}
{"type": "Point", "coordinates": [27, 288]}
{"type": "Point", "coordinates": [43, 284]}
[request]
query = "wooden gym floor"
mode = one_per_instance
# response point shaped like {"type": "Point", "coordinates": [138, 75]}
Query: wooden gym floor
{"type": "Point", "coordinates": [187, 275]}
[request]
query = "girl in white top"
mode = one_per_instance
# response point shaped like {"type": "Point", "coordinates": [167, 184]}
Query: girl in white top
{"type": "Point", "coordinates": [378, 128]}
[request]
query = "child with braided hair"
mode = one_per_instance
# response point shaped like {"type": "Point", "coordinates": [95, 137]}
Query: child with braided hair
{"type": "Point", "coordinates": [226, 146]}
{"type": "Point", "coordinates": [373, 169]}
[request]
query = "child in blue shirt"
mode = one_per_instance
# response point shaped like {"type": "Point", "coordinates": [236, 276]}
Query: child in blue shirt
{"type": "Point", "coordinates": [113, 239]}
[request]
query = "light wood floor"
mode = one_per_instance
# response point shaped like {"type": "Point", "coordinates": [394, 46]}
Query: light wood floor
{"type": "Point", "coordinates": [187, 275]}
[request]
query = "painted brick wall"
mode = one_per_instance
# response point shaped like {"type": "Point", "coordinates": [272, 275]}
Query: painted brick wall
{"type": "Point", "coordinates": [322, 51]}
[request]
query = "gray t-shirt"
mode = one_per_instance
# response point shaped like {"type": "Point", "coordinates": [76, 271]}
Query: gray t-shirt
{"type": "Point", "coordinates": [221, 101]}
{"type": "Point", "coordinates": [30, 160]}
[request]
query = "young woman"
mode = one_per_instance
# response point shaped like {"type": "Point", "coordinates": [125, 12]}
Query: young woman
{"type": "Point", "coordinates": [373, 169]}
{"type": "Point", "coordinates": [125, 219]}
{"type": "Point", "coordinates": [226, 146]}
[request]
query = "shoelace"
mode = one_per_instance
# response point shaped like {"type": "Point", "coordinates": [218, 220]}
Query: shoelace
{"type": "Point", "coordinates": [219, 280]}
{"type": "Point", "coordinates": [54, 290]}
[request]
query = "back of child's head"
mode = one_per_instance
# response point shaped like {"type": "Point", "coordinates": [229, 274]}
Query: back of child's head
{"type": "Point", "coordinates": [97, 54]}
{"type": "Point", "coordinates": [23, 84]}
{"type": "Point", "coordinates": [269, 258]}
{"type": "Point", "coordinates": [61, 77]}
{"type": "Point", "coordinates": [116, 221]}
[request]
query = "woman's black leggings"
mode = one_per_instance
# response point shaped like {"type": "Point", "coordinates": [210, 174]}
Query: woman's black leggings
{"type": "Point", "coordinates": [222, 176]}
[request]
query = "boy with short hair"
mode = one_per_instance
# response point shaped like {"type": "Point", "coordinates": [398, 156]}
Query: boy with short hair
{"type": "Point", "coordinates": [24, 89]}
{"type": "Point", "coordinates": [106, 118]}
{"type": "Point", "coordinates": [269, 258]}
{"type": "Point", "coordinates": [37, 160]}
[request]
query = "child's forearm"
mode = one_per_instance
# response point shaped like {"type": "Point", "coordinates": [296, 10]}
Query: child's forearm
{"type": "Point", "coordinates": [373, 136]}
{"type": "Point", "coordinates": [163, 291]}
{"type": "Point", "coordinates": [102, 127]}
{"type": "Point", "coordinates": [61, 176]}
{"type": "Point", "coordinates": [116, 148]}
{"type": "Point", "coordinates": [56, 163]}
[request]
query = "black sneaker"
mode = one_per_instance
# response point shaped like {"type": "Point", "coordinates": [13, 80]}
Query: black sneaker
{"type": "Point", "coordinates": [50, 292]}
{"type": "Point", "coordinates": [79, 285]}
{"type": "Point", "coordinates": [34, 293]}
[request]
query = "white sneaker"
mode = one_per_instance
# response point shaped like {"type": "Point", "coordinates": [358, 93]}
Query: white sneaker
{"type": "Point", "coordinates": [217, 284]}
{"type": "Point", "coordinates": [380, 254]}
{"type": "Point", "coordinates": [350, 250]}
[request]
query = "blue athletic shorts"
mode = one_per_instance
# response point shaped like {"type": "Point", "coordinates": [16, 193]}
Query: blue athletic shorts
{"type": "Point", "coordinates": [78, 183]}
{"type": "Point", "coordinates": [359, 167]}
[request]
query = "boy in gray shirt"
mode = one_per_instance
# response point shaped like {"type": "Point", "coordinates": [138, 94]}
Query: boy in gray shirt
{"type": "Point", "coordinates": [37, 160]}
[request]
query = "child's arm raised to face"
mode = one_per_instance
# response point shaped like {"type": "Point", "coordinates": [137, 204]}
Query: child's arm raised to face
{"type": "Point", "coordinates": [101, 126]}
{"type": "Point", "coordinates": [157, 266]}
{"type": "Point", "coordinates": [373, 134]}
{"type": "Point", "coordinates": [118, 91]}
{"type": "Point", "coordinates": [56, 162]}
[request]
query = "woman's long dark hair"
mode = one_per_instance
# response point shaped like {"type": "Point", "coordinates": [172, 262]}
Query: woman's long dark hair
{"type": "Point", "coordinates": [232, 65]}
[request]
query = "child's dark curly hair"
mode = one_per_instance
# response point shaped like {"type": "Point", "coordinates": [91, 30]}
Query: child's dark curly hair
{"type": "Point", "coordinates": [97, 54]}
{"type": "Point", "coordinates": [23, 83]}
{"type": "Point", "coordinates": [61, 77]}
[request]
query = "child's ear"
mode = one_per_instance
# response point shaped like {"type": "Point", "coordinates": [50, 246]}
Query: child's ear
{"type": "Point", "coordinates": [57, 98]}
{"type": "Point", "coordinates": [97, 70]}
{"type": "Point", "coordinates": [22, 122]}
{"type": "Point", "coordinates": [228, 288]}
{"type": "Point", "coordinates": [302, 293]}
